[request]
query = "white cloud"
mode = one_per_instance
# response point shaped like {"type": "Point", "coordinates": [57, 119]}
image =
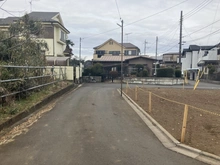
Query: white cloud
{"type": "Point", "coordinates": [86, 19]}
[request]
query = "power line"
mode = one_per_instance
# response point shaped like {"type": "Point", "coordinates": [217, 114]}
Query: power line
{"type": "Point", "coordinates": [118, 9]}
{"type": "Point", "coordinates": [197, 9]}
{"type": "Point", "coordinates": [3, 3]}
{"type": "Point", "coordinates": [157, 13]}
{"type": "Point", "coordinates": [7, 11]}
{"type": "Point", "coordinates": [187, 32]}
{"type": "Point", "coordinates": [214, 19]}
{"type": "Point", "coordinates": [205, 36]}
{"type": "Point", "coordinates": [202, 28]}
{"type": "Point", "coordinates": [139, 19]}
{"type": "Point", "coordinates": [191, 11]}
{"type": "Point", "coordinates": [169, 49]}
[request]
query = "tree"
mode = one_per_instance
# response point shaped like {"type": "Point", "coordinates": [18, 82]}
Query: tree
{"type": "Point", "coordinates": [113, 74]}
{"type": "Point", "coordinates": [211, 69]}
{"type": "Point", "coordinates": [139, 67]}
{"type": "Point", "coordinates": [97, 70]}
{"type": "Point", "coordinates": [68, 50]}
{"type": "Point", "coordinates": [22, 45]}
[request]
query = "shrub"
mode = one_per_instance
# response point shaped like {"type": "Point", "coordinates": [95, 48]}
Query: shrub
{"type": "Point", "coordinates": [177, 73]}
{"type": "Point", "coordinates": [165, 72]}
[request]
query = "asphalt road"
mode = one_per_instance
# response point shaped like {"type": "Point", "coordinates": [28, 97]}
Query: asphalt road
{"type": "Point", "coordinates": [91, 126]}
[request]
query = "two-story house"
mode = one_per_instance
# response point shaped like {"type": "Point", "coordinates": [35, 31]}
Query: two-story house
{"type": "Point", "coordinates": [110, 56]}
{"type": "Point", "coordinates": [54, 33]}
{"type": "Point", "coordinates": [170, 59]}
{"type": "Point", "coordinates": [198, 57]}
{"type": "Point", "coordinates": [113, 48]}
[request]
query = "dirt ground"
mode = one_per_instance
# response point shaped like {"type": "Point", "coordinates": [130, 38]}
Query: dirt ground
{"type": "Point", "coordinates": [203, 122]}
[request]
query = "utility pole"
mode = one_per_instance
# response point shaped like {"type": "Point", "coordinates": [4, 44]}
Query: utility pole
{"type": "Point", "coordinates": [80, 40]}
{"type": "Point", "coordinates": [122, 26]}
{"type": "Point", "coordinates": [180, 41]}
{"type": "Point", "coordinates": [155, 71]}
{"type": "Point", "coordinates": [145, 43]}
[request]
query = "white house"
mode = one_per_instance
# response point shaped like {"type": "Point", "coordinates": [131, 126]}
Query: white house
{"type": "Point", "coordinates": [197, 57]}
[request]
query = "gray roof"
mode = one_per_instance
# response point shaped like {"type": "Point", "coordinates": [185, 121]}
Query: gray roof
{"type": "Point", "coordinates": [8, 20]}
{"type": "Point", "coordinates": [38, 16]}
{"type": "Point", "coordinates": [43, 16]}
{"type": "Point", "coordinates": [129, 45]}
{"type": "Point", "coordinates": [197, 48]}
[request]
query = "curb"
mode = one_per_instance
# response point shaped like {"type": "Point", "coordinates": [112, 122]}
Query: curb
{"type": "Point", "coordinates": [168, 140]}
{"type": "Point", "coordinates": [35, 107]}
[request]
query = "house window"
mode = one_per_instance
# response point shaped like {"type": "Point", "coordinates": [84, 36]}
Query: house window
{"type": "Point", "coordinates": [62, 36]}
{"type": "Point", "coordinates": [130, 52]}
{"type": "Point", "coordinates": [114, 53]}
{"type": "Point", "coordinates": [206, 53]}
{"type": "Point", "coordinates": [166, 59]}
{"type": "Point", "coordinates": [110, 42]}
{"type": "Point", "coordinates": [100, 53]}
{"type": "Point", "coordinates": [218, 51]}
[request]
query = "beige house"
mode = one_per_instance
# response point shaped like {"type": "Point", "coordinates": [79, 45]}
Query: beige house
{"type": "Point", "coordinates": [113, 48]}
{"type": "Point", "coordinates": [170, 59]}
{"type": "Point", "coordinates": [54, 33]}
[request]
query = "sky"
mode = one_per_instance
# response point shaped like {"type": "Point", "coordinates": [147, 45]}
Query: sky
{"type": "Point", "coordinates": [96, 21]}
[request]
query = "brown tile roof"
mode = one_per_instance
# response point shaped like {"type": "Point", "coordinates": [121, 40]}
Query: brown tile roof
{"type": "Point", "coordinates": [118, 58]}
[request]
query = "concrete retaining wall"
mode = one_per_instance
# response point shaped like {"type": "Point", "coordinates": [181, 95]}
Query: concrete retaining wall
{"type": "Point", "coordinates": [154, 81]}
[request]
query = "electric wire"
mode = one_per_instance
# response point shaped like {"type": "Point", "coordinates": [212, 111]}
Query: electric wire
{"type": "Point", "coordinates": [156, 13]}
{"type": "Point", "coordinates": [201, 28]}
{"type": "Point", "coordinates": [191, 11]}
{"type": "Point", "coordinates": [3, 3]}
{"type": "Point", "coordinates": [214, 19]}
{"type": "Point", "coordinates": [7, 12]}
{"type": "Point", "coordinates": [139, 19]}
{"type": "Point", "coordinates": [197, 9]}
{"type": "Point", "coordinates": [169, 49]}
{"type": "Point", "coordinates": [187, 32]}
{"type": "Point", "coordinates": [215, 32]}
{"type": "Point", "coordinates": [118, 9]}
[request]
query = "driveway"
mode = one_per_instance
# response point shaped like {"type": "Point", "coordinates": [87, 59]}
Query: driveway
{"type": "Point", "coordinates": [90, 126]}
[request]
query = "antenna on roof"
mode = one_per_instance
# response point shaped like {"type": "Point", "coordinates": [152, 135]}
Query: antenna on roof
{"type": "Point", "coordinates": [127, 35]}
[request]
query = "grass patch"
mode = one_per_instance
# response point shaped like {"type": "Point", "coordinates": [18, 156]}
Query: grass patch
{"type": "Point", "coordinates": [15, 107]}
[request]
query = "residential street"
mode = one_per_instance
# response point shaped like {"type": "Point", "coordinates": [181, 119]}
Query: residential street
{"type": "Point", "coordinates": [90, 126]}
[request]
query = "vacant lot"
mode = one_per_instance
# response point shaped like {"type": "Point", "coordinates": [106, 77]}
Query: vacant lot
{"type": "Point", "coordinates": [203, 124]}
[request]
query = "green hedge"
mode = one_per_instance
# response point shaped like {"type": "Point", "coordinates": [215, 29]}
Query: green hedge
{"type": "Point", "coordinates": [178, 73]}
{"type": "Point", "coordinates": [165, 72]}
